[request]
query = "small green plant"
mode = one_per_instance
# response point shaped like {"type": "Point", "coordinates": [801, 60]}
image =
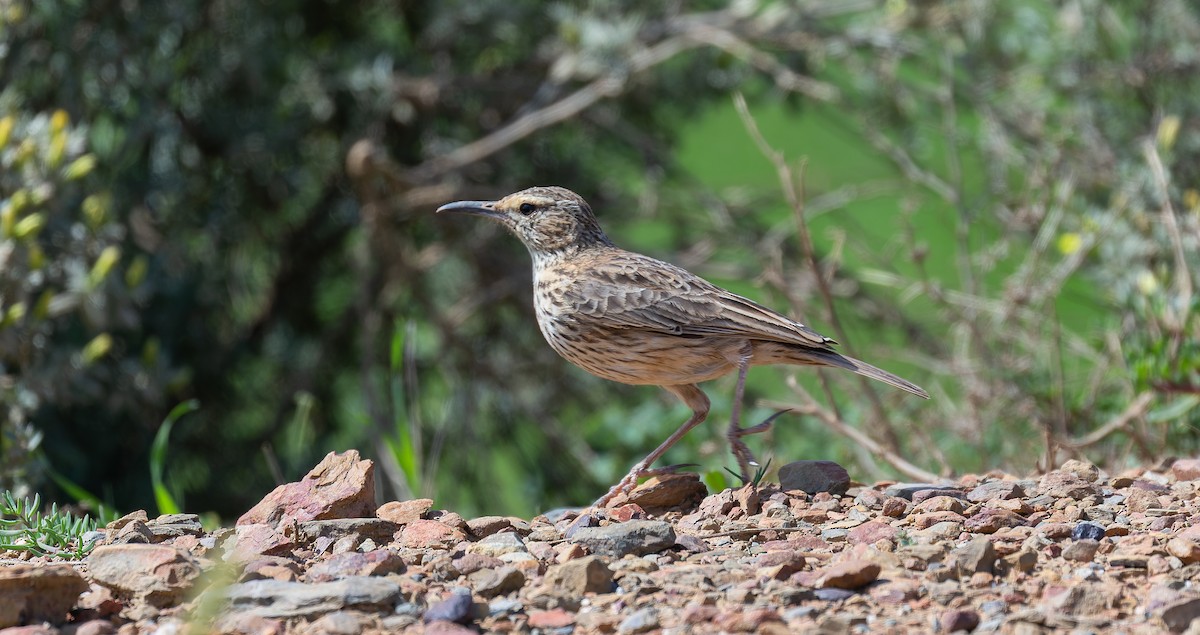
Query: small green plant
{"type": "Point", "coordinates": [158, 458]}
{"type": "Point", "coordinates": [758, 474]}
{"type": "Point", "coordinates": [57, 534]}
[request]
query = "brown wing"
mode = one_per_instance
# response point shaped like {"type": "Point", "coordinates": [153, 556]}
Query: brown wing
{"type": "Point", "coordinates": [628, 290]}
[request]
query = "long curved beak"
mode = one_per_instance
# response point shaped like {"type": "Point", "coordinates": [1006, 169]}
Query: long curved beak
{"type": "Point", "coordinates": [478, 208]}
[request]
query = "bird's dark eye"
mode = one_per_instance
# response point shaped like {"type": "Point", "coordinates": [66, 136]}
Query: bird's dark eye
{"type": "Point", "coordinates": [526, 208]}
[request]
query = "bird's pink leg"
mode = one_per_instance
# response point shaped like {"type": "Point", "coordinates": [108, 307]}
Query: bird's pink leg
{"type": "Point", "coordinates": [735, 433]}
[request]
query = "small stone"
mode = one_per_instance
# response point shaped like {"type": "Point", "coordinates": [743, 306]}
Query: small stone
{"type": "Point", "coordinates": [554, 618]}
{"type": "Point", "coordinates": [1066, 485]}
{"type": "Point", "coordinates": [340, 486]}
{"type": "Point", "coordinates": [995, 490]}
{"type": "Point", "coordinates": [1081, 550]}
{"type": "Point", "coordinates": [1180, 615]}
{"type": "Point", "coordinates": [454, 608]}
{"type": "Point", "coordinates": [1186, 549]}
{"type": "Point", "coordinates": [989, 520]}
{"type": "Point", "coordinates": [353, 563]}
{"type": "Point", "coordinates": [814, 476]}
{"type": "Point", "coordinates": [1081, 469]}
{"type": "Point", "coordinates": [851, 574]}
{"type": "Point", "coordinates": [38, 593]}
{"type": "Point", "coordinates": [833, 595]}
{"type": "Point", "coordinates": [576, 577]}
{"type": "Point", "coordinates": [871, 532]}
{"type": "Point", "coordinates": [1087, 531]}
{"type": "Point", "coordinates": [485, 526]}
{"type": "Point", "coordinates": [921, 521]}
{"type": "Point", "coordinates": [939, 504]}
{"type": "Point", "coordinates": [277, 599]}
{"type": "Point", "coordinates": [1023, 561]}
{"type": "Point", "coordinates": [637, 537]}
{"type": "Point", "coordinates": [926, 494]}
{"type": "Point", "coordinates": [956, 620]}
{"type": "Point", "coordinates": [1140, 500]}
{"type": "Point", "coordinates": [1186, 469]}
{"type": "Point", "coordinates": [156, 574]}
{"type": "Point", "coordinates": [497, 545]}
{"type": "Point", "coordinates": [430, 534]}
{"type": "Point", "coordinates": [471, 562]}
{"type": "Point", "coordinates": [404, 512]}
{"type": "Point", "coordinates": [976, 556]}
{"type": "Point", "coordinates": [493, 582]}
{"type": "Point", "coordinates": [907, 490]}
{"type": "Point", "coordinates": [894, 507]}
{"type": "Point", "coordinates": [750, 620]}
{"type": "Point", "coordinates": [341, 623]}
{"type": "Point", "coordinates": [640, 621]}
{"type": "Point", "coordinates": [1084, 598]}
{"type": "Point", "coordinates": [667, 491]}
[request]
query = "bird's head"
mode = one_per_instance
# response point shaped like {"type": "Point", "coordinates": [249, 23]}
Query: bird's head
{"type": "Point", "coordinates": [546, 219]}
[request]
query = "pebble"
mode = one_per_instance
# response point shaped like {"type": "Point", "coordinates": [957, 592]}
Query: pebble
{"type": "Point", "coordinates": [1083, 550]}
{"type": "Point", "coordinates": [456, 607]}
{"type": "Point", "coordinates": [814, 476]}
{"type": "Point", "coordinates": [1087, 531]}
{"type": "Point", "coordinates": [959, 620]}
{"type": "Point", "coordinates": [640, 621]}
{"type": "Point", "coordinates": [637, 537]}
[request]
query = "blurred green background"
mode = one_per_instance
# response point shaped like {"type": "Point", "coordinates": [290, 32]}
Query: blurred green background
{"type": "Point", "coordinates": [233, 203]}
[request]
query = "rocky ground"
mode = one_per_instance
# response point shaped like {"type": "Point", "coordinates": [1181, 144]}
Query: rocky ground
{"type": "Point", "coordinates": [1074, 551]}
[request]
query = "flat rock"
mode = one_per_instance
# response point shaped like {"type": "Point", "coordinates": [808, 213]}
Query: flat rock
{"type": "Point", "coordinates": [640, 621]}
{"type": "Point", "coordinates": [814, 476]}
{"type": "Point", "coordinates": [975, 556]}
{"type": "Point", "coordinates": [871, 532]}
{"type": "Point", "coordinates": [1081, 550]}
{"type": "Point", "coordinates": [1178, 616]}
{"type": "Point", "coordinates": [908, 490]}
{"type": "Point", "coordinates": [404, 512]}
{"type": "Point", "coordinates": [354, 563]}
{"type": "Point", "coordinates": [552, 619]}
{"type": "Point", "coordinates": [577, 577]}
{"type": "Point", "coordinates": [276, 599]}
{"type": "Point", "coordinates": [156, 574]}
{"type": "Point", "coordinates": [492, 582]}
{"type": "Point", "coordinates": [637, 537]}
{"type": "Point", "coordinates": [666, 491]}
{"type": "Point", "coordinates": [340, 486]}
{"type": "Point", "coordinates": [424, 534]}
{"type": "Point", "coordinates": [852, 574]}
{"type": "Point", "coordinates": [994, 490]}
{"type": "Point", "coordinates": [36, 593]}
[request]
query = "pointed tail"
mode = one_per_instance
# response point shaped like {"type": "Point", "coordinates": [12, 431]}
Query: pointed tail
{"type": "Point", "coordinates": [866, 370]}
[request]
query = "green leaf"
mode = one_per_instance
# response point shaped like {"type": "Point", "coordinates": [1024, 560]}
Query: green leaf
{"type": "Point", "coordinates": [1173, 410]}
{"type": "Point", "coordinates": [158, 457]}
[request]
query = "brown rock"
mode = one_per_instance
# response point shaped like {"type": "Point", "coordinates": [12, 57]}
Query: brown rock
{"type": "Point", "coordinates": [976, 556]}
{"type": "Point", "coordinates": [485, 526]}
{"type": "Point", "coordinates": [430, 534]}
{"type": "Point", "coordinates": [852, 574]}
{"type": "Point", "coordinates": [956, 620]}
{"type": "Point", "coordinates": [1186, 469]}
{"type": "Point", "coordinates": [492, 582]}
{"type": "Point", "coordinates": [924, 521]}
{"type": "Point", "coordinates": [939, 504]}
{"type": "Point", "coordinates": [1081, 550]}
{"type": "Point", "coordinates": [340, 486]}
{"type": "Point", "coordinates": [472, 562]}
{"type": "Point", "coordinates": [779, 565]}
{"type": "Point", "coordinates": [583, 575]}
{"type": "Point", "coordinates": [1066, 485]}
{"type": "Point", "coordinates": [270, 567]}
{"type": "Point", "coordinates": [752, 620]}
{"type": "Point", "coordinates": [38, 593]}
{"type": "Point", "coordinates": [894, 507]}
{"type": "Point", "coordinates": [668, 491]}
{"type": "Point", "coordinates": [261, 539]}
{"type": "Point", "coordinates": [871, 532]}
{"type": "Point", "coordinates": [926, 494]}
{"type": "Point", "coordinates": [554, 618]}
{"type": "Point", "coordinates": [1179, 616]}
{"type": "Point", "coordinates": [404, 512]}
{"type": "Point", "coordinates": [354, 563]}
{"type": "Point", "coordinates": [1186, 549]}
{"type": "Point", "coordinates": [1086, 598]}
{"type": "Point", "coordinates": [156, 574]}
{"type": "Point", "coordinates": [990, 519]}
{"type": "Point", "coordinates": [1139, 500]}
{"type": "Point", "coordinates": [1081, 469]}
{"type": "Point", "coordinates": [995, 490]}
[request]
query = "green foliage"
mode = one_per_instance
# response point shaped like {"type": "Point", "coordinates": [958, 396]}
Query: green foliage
{"type": "Point", "coordinates": [158, 458]}
{"type": "Point", "coordinates": [23, 527]}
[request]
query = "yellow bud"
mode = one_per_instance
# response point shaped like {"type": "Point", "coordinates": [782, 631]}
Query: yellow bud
{"type": "Point", "coordinates": [1069, 243]}
{"type": "Point", "coordinates": [14, 313]}
{"type": "Point", "coordinates": [136, 272]}
{"type": "Point", "coordinates": [58, 149]}
{"type": "Point", "coordinates": [1191, 200]}
{"type": "Point", "coordinates": [97, 348]}
{"type": "Point", "coordinates": [1147, 283]}
{"type": "Point", "coordinates": [80, 167]}
{"type": "Point", "coordinates": [6, 128]}
{"type": "Point", "coordinates": [59, 121]}
{"type": "Point", "coordinates": [95, 207]}
{"type": "Point", "coordinates": [104, 264]}
{"type": "Point", "coordinates": [28, 226]}
{"type": "Point", "coordinates": [1168, 129]}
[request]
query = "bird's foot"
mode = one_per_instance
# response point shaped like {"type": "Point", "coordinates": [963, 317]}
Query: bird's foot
{"type": "Point", "coordinates": [741, 451]}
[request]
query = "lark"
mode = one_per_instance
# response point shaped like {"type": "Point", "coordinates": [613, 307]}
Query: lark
{"type": "Point", "coordinates": [633, 319]}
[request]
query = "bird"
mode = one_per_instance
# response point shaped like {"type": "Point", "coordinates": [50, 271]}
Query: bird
{"type": "Point", "coordinates": [634, 319]}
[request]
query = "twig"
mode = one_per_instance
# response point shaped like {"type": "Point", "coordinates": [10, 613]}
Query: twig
{"type": "Point", "coordinates": [795, 198]}
{"type": "Point", "coordinates": [1134, 410]}
{"type": "Point", "coordinates": [1183, 275]}
{"type": "Point", "coordinates": [811, 407]}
